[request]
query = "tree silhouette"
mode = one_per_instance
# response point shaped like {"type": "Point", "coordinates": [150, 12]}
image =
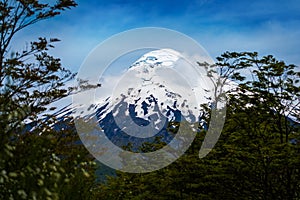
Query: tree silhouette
{"type": "Point", "coordinates": [37, 160]}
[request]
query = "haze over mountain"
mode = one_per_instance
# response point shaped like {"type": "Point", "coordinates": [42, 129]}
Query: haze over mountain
{"type": "Point", "coordinates": [159, 88]}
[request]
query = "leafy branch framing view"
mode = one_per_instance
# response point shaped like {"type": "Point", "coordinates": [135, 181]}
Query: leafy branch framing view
{"type": "Point", "coordinates": [256, 157]}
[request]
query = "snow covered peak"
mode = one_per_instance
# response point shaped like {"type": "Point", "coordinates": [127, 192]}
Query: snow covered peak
{"type": "Point", "coordinates": [155, 83]}
{"type": "Point", "coordinates": [162, 57]}
{"type": "Point", "coordinates": [158, 86]}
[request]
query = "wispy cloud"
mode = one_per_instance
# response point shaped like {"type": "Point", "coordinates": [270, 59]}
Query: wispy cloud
{"type": "Point", "coordinates": [266, 26]}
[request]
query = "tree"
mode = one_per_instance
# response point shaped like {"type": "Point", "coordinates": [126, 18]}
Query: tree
{"type": "Point", "coordinates": [261, 122]}
{"type": "Point", "coordinates": [37, 161]}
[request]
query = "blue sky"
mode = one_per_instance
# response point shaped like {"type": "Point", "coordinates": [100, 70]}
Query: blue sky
{"type": "Point", "coordinates": [266, 26]}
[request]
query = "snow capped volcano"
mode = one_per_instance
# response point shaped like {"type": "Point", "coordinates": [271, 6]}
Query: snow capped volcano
{"type": "Point", "coordinates": [160, 87]}
{"type": "Point", "coordinates": [157, 98]}
{"type": "Point", "coordinates": [161, 80]}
